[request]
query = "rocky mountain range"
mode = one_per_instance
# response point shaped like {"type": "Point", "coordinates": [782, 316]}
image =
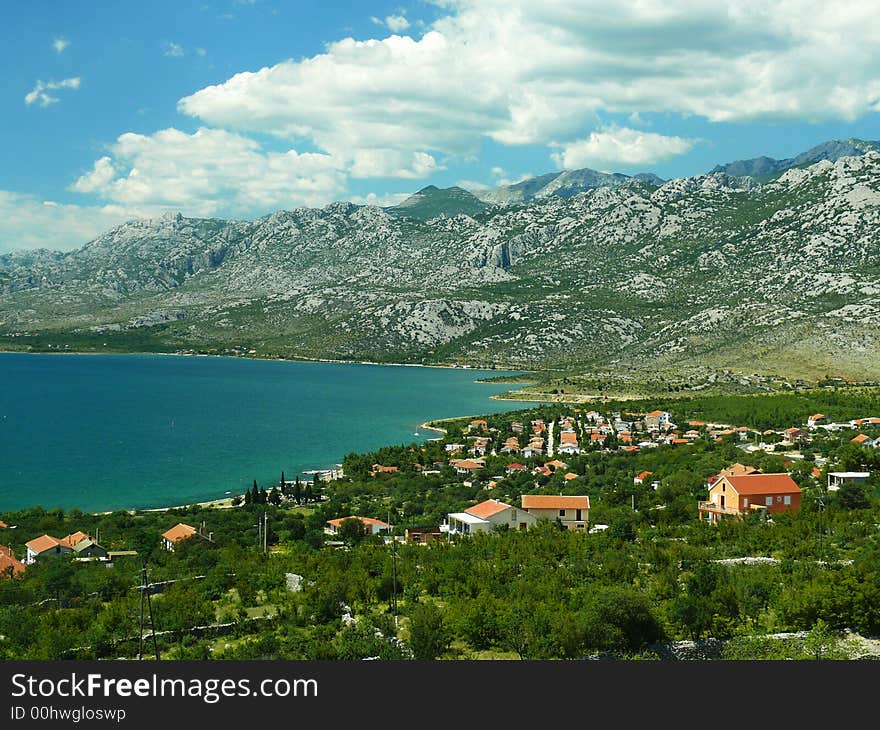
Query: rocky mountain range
{"type": "Point", "coordinates": [703, 274]}
{"type": "Point", "coordinates": [766, 168]}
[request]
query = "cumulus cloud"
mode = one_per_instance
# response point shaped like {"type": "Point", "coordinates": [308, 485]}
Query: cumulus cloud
{"type": "Point", "coordinates": [26, 222]}
{"type": "Point", "coordinates": [520, 72]}
{"type": "Point", "coordinates": [59, 44]}
{"type": "Point", "coordinates": [172, 50]}
{"type": "Point", "coordinates": [622, 146]}
{"type": "Point", "coordinates": [392, 163]}
{"type": "Point", "coordinates": [382, 201]}
{"type": "Point", "coordinates": [40, 93]}
{"type": "Point", "coordinates": [209, 172]}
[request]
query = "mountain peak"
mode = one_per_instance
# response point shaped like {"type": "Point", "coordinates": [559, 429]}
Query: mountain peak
{"type": "Point", "coordinates": [765, 168]}
{"type": "Point", "coordinates": [431, 201]}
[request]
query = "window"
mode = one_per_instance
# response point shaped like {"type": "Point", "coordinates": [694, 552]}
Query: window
{"type": "Point", "coordinates": [745, 501]}
{"type": "Point", "coordinates": [778, 498]}
{"type": "Point", "coordinates": [768, 501]}
{"type": "Point", "coordinates": [562, 513]}
{"type": "Point", "coordinates": [723, 487]}
{"type": "Point", "coordinates": [787, 499]}
{"type": "Point", "coordinates": [580, 527]}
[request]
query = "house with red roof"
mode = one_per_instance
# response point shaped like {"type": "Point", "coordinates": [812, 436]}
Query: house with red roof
{"type": "Point", "coordinates": [739, 495]}
{"type": "Point", "coordinates": [641, 476]}
{"type": "Point", "coordinates": [656, 420]}
{"type": "Point", "coordinates": [467, 466]}
{"type": "Point", "coordinates": [372, 526]}
{"type": "Point", "coordinates": [48, 545]}
{"type": "Point", "coordinates": [572, 511]}
{"type": "Point", "coordinates": [487, 516]}
{"type": "Point", "coordinates": [815, 420]}
{"type": "Point", "coordinates": [10, 566]}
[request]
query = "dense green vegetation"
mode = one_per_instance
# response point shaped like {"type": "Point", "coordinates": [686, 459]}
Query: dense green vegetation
{"type": "Point", "coordinates": [655, 575]}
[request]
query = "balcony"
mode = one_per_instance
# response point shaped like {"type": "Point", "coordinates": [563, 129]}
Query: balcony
{"type": "Point", "coordinates": [717, 509]}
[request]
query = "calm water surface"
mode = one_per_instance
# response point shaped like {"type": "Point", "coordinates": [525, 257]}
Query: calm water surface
{"type": "Point", "coordinates": [138, 431]}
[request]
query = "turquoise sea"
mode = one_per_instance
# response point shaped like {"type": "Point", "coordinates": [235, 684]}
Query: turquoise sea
{"type": "Point", "coordinates": [102, 432]}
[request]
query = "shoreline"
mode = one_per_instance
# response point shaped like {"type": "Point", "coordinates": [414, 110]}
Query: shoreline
{"type": "Point", "coordinates": [222, 503]}
{"type": "Point", "coordinates": [444, 366]}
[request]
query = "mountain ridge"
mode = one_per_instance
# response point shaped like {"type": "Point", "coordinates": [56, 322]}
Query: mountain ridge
{"type": "Point", "coordinates": [698, 275]}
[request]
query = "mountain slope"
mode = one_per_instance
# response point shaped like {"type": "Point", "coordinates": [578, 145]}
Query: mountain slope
{"type": "Point", "coordinates": [696, 276]}
{"type": "Point", "coordinates": [764, 168]}
{"type": "Point", "coordinates": [559, 184]}
{"type": "Point", "coordinates": [431, 201]}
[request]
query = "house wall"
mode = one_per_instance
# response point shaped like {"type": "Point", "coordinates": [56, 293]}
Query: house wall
{"type": "Point", "coordinates": [568, 521]}
{"type": "Point", "coordinates": [733, 500]}
{"type": "Point", "coordinates": [57, 550]}
{"type": "Point", "coordinates": [512, 517]}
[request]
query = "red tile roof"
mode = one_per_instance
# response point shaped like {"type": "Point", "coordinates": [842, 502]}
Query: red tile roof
{"type": "Point", "coordinates": [74, 539]}
{"type": "Point", "coordinates": [486, 509]}
{"type": "Point", "coordinates": [552, 501]}
{"type": "Point", "coordinates": [337, 522]}
{"type": "Point", "coordinates": [468, 464]}
{"type": "Point", "coordinates": [179, 532]}
{"type": "Point", "coordinates": [44, 542]}
{"type": "Point", "coordinates": [764, 484]}
{"type": "Point", "coordinates": [860, 439]}
{"type": "Point", "coordinates": [9, 561]}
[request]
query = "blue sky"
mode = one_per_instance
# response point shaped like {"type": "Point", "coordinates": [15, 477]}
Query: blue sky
{"type": "Point", "coordinates": [236, 108]}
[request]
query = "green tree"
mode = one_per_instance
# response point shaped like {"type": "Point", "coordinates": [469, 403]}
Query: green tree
{"type": "Point", "coordinates": [352, 530]}
{"type": "Point", "coordinates": [429, 635]}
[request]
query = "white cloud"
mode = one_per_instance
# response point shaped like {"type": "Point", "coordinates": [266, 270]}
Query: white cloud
{"type": "Point", "coordinates": [392, 163]}
{"type": "Point", "coordinates": [521, 72]}
{"type": "Point", "coordinates": [396, 23]}
{"type": "Point", "coordinates": [201, 52]}
{"type": "Point", "coordinates": [172, 50]}
{"type": "Point", "coordinates": [382, 201]}
{"type": "Point", "coordinates": [39, 95]}
{"type": "Point", "coordinates": [101, 175]}
{"type": "Point", "coordinates": [620, 146]}
{"type": "Point", "coordinates": [59, 44]}
{"type": "Point", "coordinates": [472, 185]}
{"type": "Point", "coordinates": [210, 172]}
{"type": "Point", "coordinates": [26, 222]}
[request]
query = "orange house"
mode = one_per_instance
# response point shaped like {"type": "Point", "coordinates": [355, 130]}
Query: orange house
{"type": "Point", "coordinates": [739, 495]}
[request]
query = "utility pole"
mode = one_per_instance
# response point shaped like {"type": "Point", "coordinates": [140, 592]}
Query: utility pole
{"type": "Point", "coordinates": [266, 532]}
{"type": "Point", "coordinates": [393, 573]}
{"type": "Point", "coordinates": [145, 598]}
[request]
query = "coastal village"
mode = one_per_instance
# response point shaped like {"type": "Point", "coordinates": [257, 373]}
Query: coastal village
{"type": "Point", "coordinates": [737, 490]}
{"type": "Point", "coordinates": [603, 474]}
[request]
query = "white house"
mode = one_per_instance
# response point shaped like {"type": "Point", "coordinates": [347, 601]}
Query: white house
{"type": "Point", "coordinates": [572, 511]}
{"type": "Point", "coordinates": [46, 545]}
{"type": "Point", "coordinates": [486, 516]}
{"type": "Point", "coordinates": [836, 479]}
